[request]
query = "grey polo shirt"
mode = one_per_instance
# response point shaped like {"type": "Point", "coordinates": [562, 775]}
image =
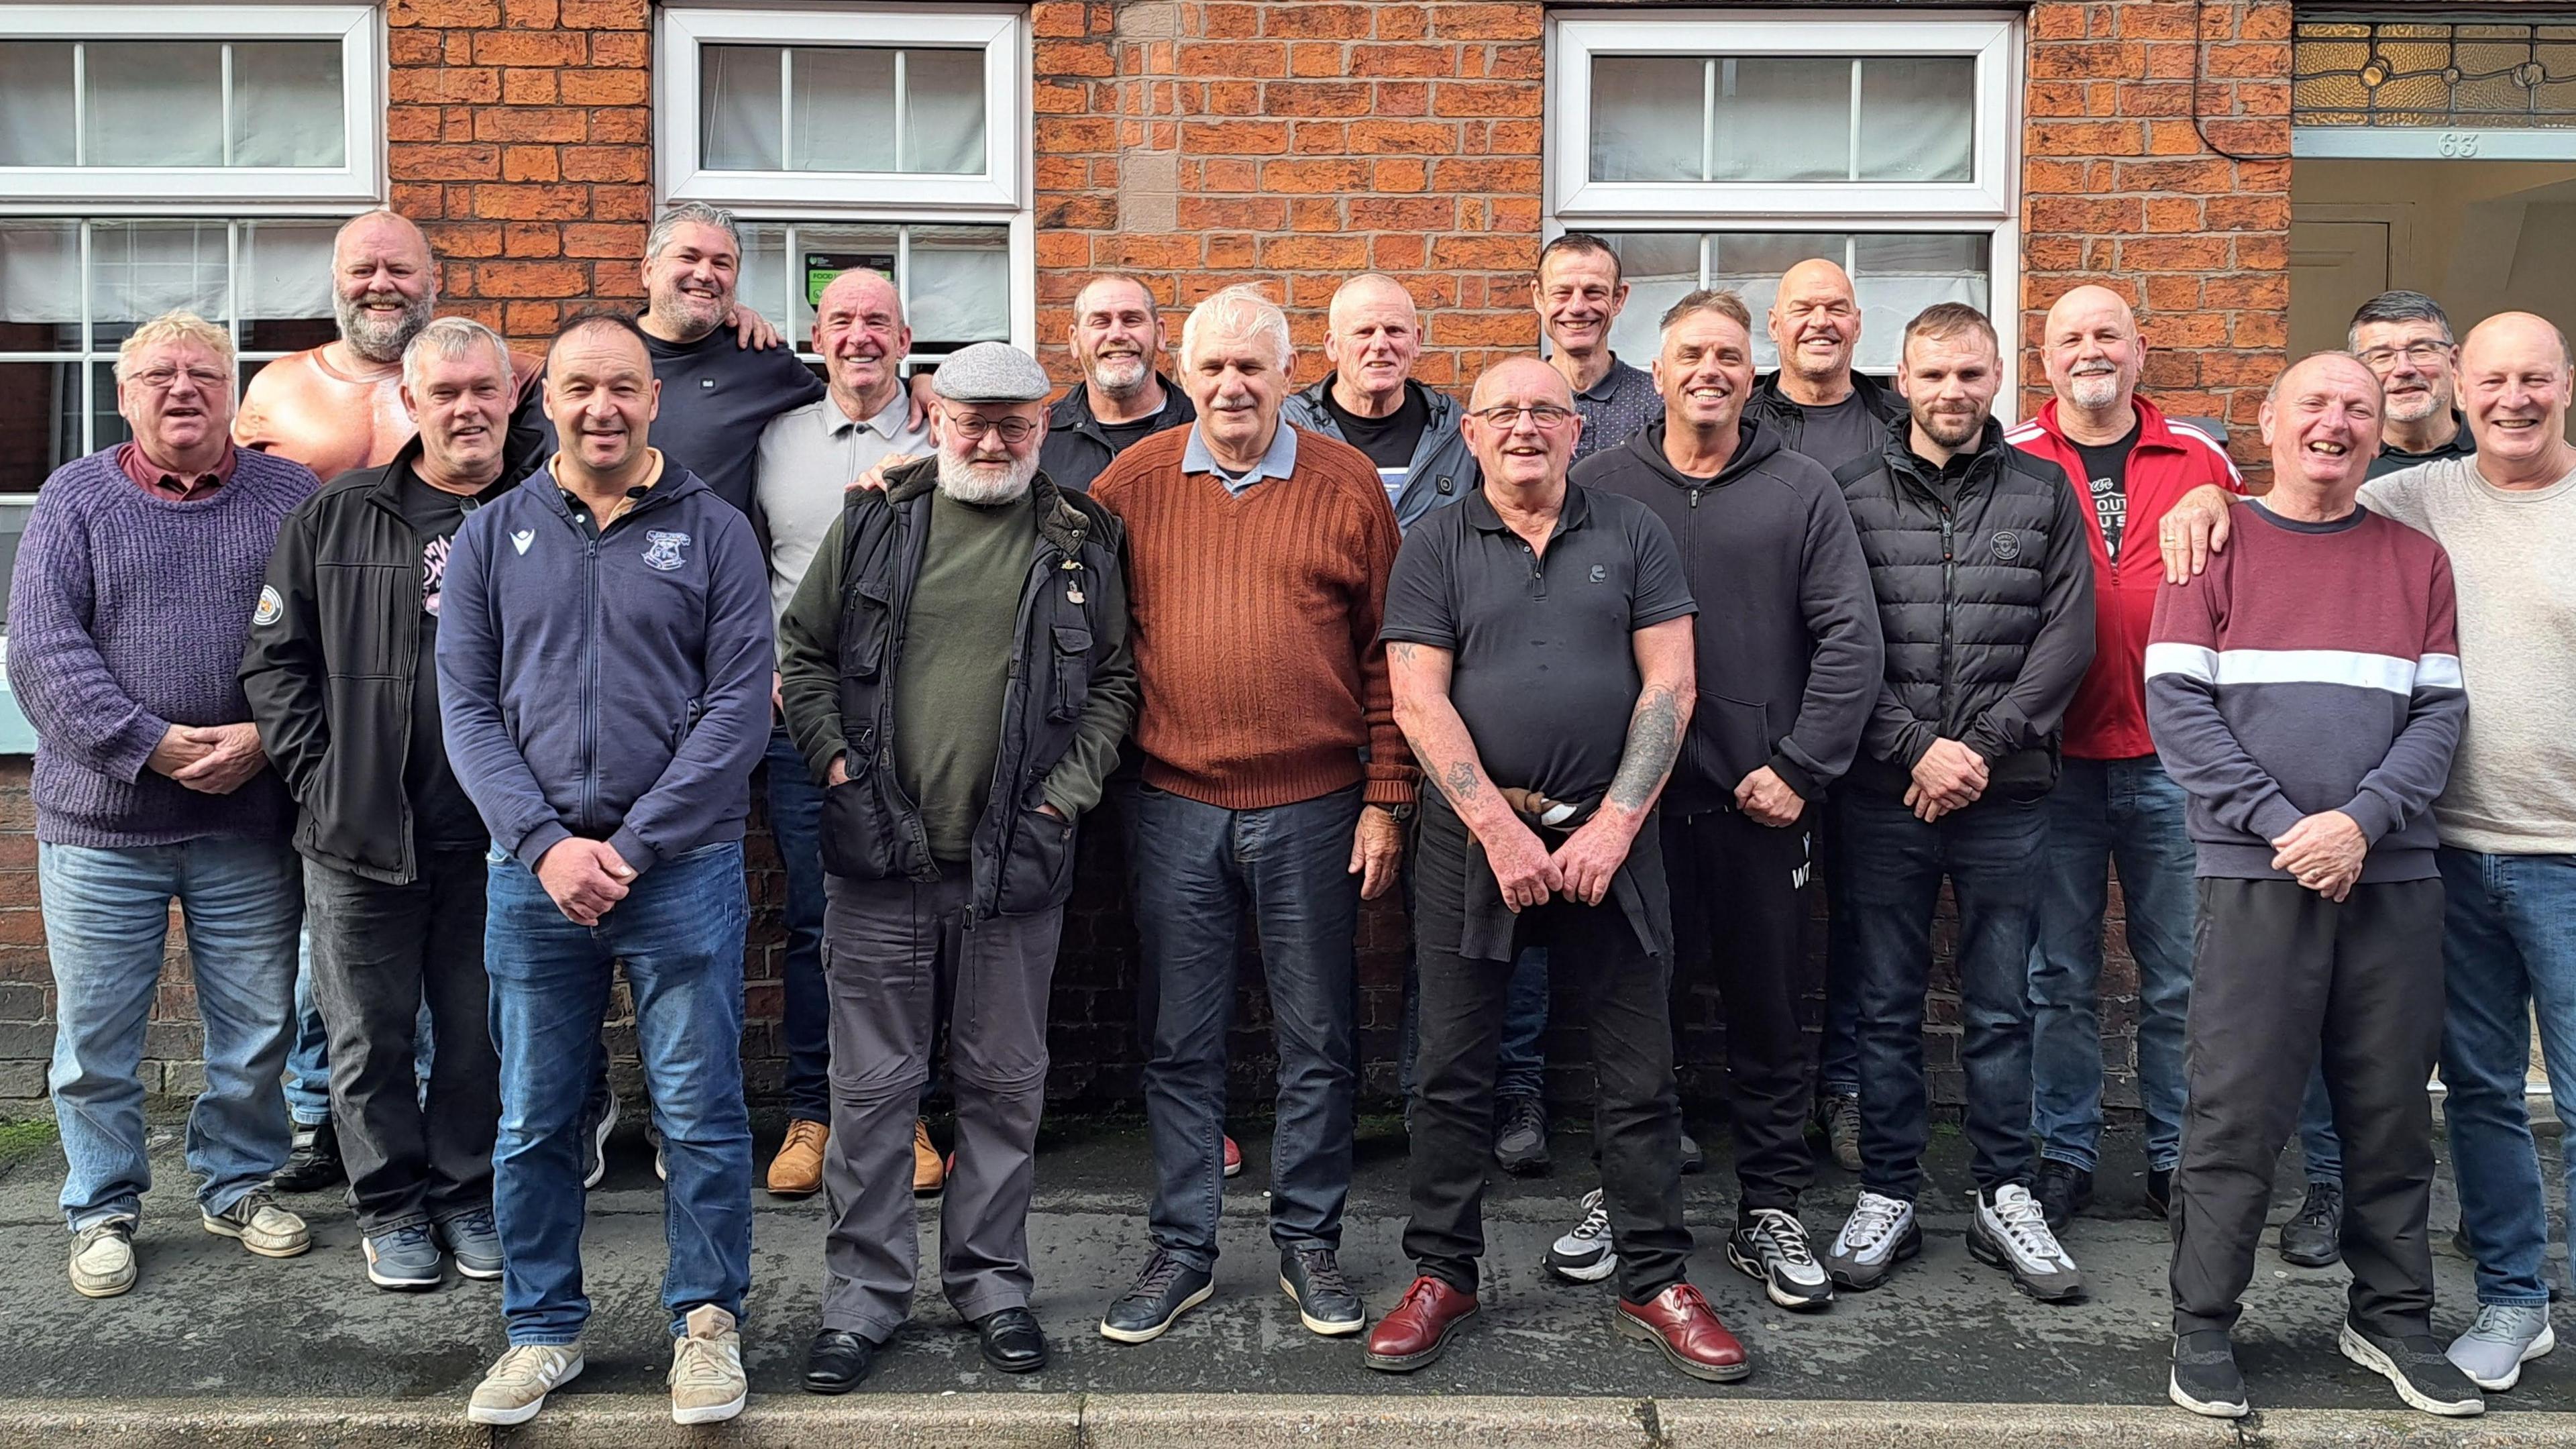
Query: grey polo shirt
{"type": "Point", "coordinates": [1616, 408]}
{"type": "Point", "coordinates": [1278, 462]}
{"type": "Point", "coordinates": [1544, 670]}
{"type": "Point", "coordinates": [808, 455]}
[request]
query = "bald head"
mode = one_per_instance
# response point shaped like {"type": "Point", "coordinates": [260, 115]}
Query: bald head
{"type": "Point", "coordinates": [1815, 324]}
{"type": "Point", "coordinates": [384, 285]}
{"type": "Point", "coordinates": [2321, 420]}
{"type": "Point", "coordinates": [1526, 453]}
{"type": "Point", "coordinates": [1519, 379]}
{"type": "Point", "coordinates": [2092, 352]}
{"type": "Point", "coordinates": [1373, 336]}
{"type": "Point", "coordinates": [859, 329]}
{"type": "Point", "coordinates": [2514, 388]}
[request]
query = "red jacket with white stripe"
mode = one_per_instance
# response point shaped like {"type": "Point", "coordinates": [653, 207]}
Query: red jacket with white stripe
{"type": "Point", "coordinates": [2108, 720]}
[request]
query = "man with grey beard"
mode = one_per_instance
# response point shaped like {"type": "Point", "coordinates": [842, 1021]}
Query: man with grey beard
{"type": "Point", "coordinates": [957, 767]}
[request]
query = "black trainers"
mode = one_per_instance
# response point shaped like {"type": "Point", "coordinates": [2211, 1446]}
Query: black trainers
{"type": "Point", "coordinates": [1769, 1246]}
{"type": "Point", "coordinates": [2424, 1378]}
{"type": "Point", "coordinates": [2205, 1379]}
{"type": "Point", "coordinates": [1312, 1279]}
{"type": "Point", "coordinates": [2160, 1191]}
{"type": "Point", "coordinates": [1693, 1159]}
{"type": "Point", "coordinates": [313, 1163]}
{"type": "Point", "coordinates": [2314, 1238]}
{"type": "Point", "coordinates": [1165, 1290]}
{"type": "Point", "coordinates": [1520, 1136]}
{"type": "Point", "coordinates": [2064, 1190]}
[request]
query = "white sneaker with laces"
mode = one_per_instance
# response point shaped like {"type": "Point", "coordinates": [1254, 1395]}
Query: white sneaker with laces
{"type": "Point", "coordinates": [1584, 1254]}
{"type": "Point", "coordinates": [103, 1258]}
{"type": "Point", "coordinates": [1880, 1233]}
{"type": "Point", "coordinates": [1769, 1245]}
{"type": "Point", "coordinates": [520, 1380]}
{"type": "Point", "coordinates": [707, 1384]}
{"type": "Point", "coordinates": [2010, 1231]}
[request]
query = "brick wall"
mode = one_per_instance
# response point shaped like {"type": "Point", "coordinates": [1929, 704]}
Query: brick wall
{"type": "Point", "coordinates": [1203, 142]}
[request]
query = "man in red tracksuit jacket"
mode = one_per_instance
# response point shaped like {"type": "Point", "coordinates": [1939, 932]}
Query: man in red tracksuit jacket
{"type": "Point", "coordinates": [2114, 800]}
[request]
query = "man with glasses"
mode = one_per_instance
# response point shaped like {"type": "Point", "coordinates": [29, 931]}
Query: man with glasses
{"type": "Point", "coordinates": [962, 760]}
{"type": "Point", "coordinates": [2404, 338]}
{"type": "Point", "coordinates": [137, 582]}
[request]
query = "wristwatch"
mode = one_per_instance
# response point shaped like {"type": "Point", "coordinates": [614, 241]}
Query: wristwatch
{"type": "Point", "coordinates": [1398, 813]}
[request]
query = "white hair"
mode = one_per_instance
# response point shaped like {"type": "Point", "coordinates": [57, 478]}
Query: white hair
{"type": "Point", "coordinates": [447, 339]}
{"type": "Point", "coordinates": [1237, 311]}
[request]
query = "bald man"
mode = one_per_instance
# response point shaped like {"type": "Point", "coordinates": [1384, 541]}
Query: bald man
{"type": "Point", "coordinates": [2306, 693]}
{"type": "Point", "coordinates": [1815, 403]}
{"type": "Point", "coordinates": [2113, 805]}
{"type": "Point", "coordinates": [2507, 816]}
{"type": "Point", "coordinates": [1373, 337]}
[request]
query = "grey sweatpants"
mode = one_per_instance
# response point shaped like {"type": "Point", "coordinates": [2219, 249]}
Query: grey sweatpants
{"type": "Point", "coordinates": [893, 952]}
{"type": "Point", "coordinates": [2282, 975]}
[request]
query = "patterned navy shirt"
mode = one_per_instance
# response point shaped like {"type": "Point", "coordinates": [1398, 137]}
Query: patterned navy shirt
{"type": "Point", "coordinates": [1616, 408]}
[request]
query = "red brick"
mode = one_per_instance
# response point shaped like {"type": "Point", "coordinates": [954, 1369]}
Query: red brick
{"type": "Point", "coordinates": [531, 123]}
{"type": "Point", "coordinates": [605, 14]}
{"type": "Point", "coordinates": [411, 123]}
{"type": "Point", "coordinates": [464, 239]}
{"type": "Point", "coordinates": [607, 163]}
{"type": "Point", "coordinates": [1319, 59]}
{"type": "Point", "coordinates": [1408, 213]}
{"type": "Point", "coordinates": [420, 200]}
{"type": "Point", "coordinates": [532, 203]}
{"type": "Point", "coordinates": [2209, 175]}
{"type": "Point", "coordinates": [2256, 61]}
{"type": "Point", "coordinates": [1433, 138]}
{"type": "Point", "coordinates": [1167, 252]}
{"type": "Point", "coordinates": [1467, 99]}
{"type": "Point", "coordinates": [414, 47]}
{"type": "Point", "coordinates": [2085, 215]}
{"type": "Point", "coordinates": [1062, 250]}
{"type": "Point", "coordinates": [1316, 19]}
{"type": "Point", "coordinates": [1059, 20]}
{"type": "Point", "coordinates": [2172, 214]}
{"type": "Point", "coordinates": [445, 13]}
{"type": "Point", "coordinates": [1399, 176]}
{"type": "Point", "coordinates": [621, 203]}
{"type": "Point", "coordinates": [530, 163]}
{"type": "Point", "coordinates": [1062, 135]}
{"type": "Point", "coordinates": [443, 163]}
{"type": "Point", "coordinates": [528, 87]}
{"type": "Point", "coordinates": [1232, 213]}
{"type": "Point", "coordinates": [1085, 211]}
{"type": "Point", "coordinates": [1312, 177]}
{"type": "Point", "coordinates": [1075, 57]}
{"type": "Point", "coordinates": [1317, 253]}
{"type": "Point", "coordinates": [1484, 253]}
{"type": "Point", "coordinates": [532, 279]}
{"type": "Point", "coordinates": [1235, 138]}
{"type": "Point", "coordinates": [1477, 177]}
{"type": "Point", "coordinates": [1232, 59]}
{"type": "Point", "coordinates": [2086, 61]}
{"type": "Point", "coordinates": [536, 48]}
{"type": "Point", "coordinates": [1488, 22]}
{"type": "Point", "coordinates": [2174, 253]}
{"type": "Point", "coordinates": [1230, 249]}
{"type": "Point", "coordinates": [1396, 253]}
{"type": "Point", "coordinates": [532, 239]}
{"type": "Point", "coordinates": [1404, 60]}
{"type": "Point", "coordinates": [465, 86]}
{"type": "Point", "coordinates": [623, 49]}
{"type": "Point", "coordinates": [621, 124]}
{"type": "Point", "coordinates": [1317, 98]}
{"type": "Point", "coordinates": [604, 88]}
{"type": "Point", "coordinates": [2083, 138]}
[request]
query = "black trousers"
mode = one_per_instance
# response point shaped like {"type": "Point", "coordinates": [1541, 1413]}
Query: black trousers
{"type": "Point", "coordinates": [2280, 976]}
{"type": "Point", "coordinates": [1636, 1110]}
{"type": "Point", "coordinates": [379, 952]}
{"type": "Point", "coordinates": [1739, 900]}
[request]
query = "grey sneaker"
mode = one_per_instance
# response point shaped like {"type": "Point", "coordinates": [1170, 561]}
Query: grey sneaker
{"type": "Point", "coordinates": [707, 1384]}
{"type": "Point", "coordinates": [405, 1260]}
{"type": "Point", "coordinates": [520, 1380]}
{"type": "Point", "coordinates": [474, 1241]}
{"type": "Point", "coordinates": [1584, 1254]}
{"type": "Point", "coordinates": [103, 1258]}
{"type": "Point", "coordinates": [2204, 1378]}
{"type": "Point", "coordinates": [2009, 1230]}
{"type": "Point", "coordinates": [2414, 1365]}
{"type": "Point", "coordinates": [1839, 1114]}
{"type": "Point", "coordinates": [1880, 1233]}
{"type": "Point", "coordinates": [1520, 1136]}
{"type": "Point", "coordinates": [2505, 1337]}
{"type": "Point", "coordinates": [261, 1225]}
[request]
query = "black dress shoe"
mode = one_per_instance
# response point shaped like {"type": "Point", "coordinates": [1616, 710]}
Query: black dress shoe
{"type": "Point", "coordinates": [1012, 1342]}
{"type": "Point", "coordinates": [314, 1162]}
{"type": "Point", "coordinates": [837, 1362]}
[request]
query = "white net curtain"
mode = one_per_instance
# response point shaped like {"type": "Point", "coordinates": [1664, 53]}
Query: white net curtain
{"type": "Point", "coordinates": [841, 108]}
{"type": "Point", "coordinates": [174, 103]}
{"type": "Point", "coordinates": [1776, 118]}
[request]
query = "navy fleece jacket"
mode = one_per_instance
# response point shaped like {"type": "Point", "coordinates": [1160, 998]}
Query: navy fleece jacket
{"type": "Point", "coordinates": [612, 686]}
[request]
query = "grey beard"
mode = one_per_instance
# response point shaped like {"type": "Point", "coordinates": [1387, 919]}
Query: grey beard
{"type": "Point", "coordinates": [379, 341]}
{"type": "Point", "coordinates": [964, 482]}
{"type": "Point", "coordinates": [2094, 391]}
{"type": "Point", "coordinates": [1114, 388]}
{"type": "Point", "coordinates": [2431, 406]}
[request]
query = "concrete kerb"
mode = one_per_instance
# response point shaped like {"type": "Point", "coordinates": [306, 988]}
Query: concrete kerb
{"type": "Point", "coordinates": [1252, 1421]}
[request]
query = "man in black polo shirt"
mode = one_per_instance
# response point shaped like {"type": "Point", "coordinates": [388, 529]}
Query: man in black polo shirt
{"type": "Point", "coordinates": [1539, 637]}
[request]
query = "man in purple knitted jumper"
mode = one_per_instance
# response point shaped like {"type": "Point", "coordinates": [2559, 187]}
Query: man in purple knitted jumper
{"type": "Point", "coordinates": [137, 579]}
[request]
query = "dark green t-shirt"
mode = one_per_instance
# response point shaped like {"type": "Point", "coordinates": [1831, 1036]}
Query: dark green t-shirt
{"type": "Point", "coordinates": [957, 663]}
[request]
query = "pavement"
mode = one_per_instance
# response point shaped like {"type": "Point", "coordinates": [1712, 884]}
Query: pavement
{"type": "Point", "coordinates": [216, 1347]}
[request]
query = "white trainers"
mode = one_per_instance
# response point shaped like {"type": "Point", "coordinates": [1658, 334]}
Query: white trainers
{"type": "Point", "coordinates": [2010, 1231]}
{"type": "Point", "coordinates": [2505, 1337]}
{"type": "Point", "coordinates": [707, 1384]}
{"type": "Point", "coordinates": [261, 1226]}
{"type": "Point", "coordinates": [103, 1258]}
{"type": "Point", "coordinates": [1584, 1254]}
{"type": "Point", "coordinates": [520, 1380]}
{"type": "Point", "coordinates": [1880, 1233]}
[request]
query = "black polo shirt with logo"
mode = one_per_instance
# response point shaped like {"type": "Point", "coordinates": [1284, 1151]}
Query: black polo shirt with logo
{"type": "Point", "coordinates": [1544, 672]}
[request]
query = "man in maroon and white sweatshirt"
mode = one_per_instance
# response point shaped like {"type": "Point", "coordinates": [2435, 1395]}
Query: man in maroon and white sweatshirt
{"type": "Point", "coordinates": [2305, 692]}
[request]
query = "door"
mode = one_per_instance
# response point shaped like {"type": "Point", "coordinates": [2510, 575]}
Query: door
{"type": "Point", "coordinates": [2335, 266]}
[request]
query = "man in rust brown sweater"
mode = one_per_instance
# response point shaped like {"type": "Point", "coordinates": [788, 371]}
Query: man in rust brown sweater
{"type": "Point", "coordinates": [1274, 779]}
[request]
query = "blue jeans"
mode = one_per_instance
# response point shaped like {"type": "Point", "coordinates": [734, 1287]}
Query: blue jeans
{"type": "Point", "coordinates": [796, 824]}
{"type": "Point", "coordinates": [2128, 813]}
{"type": "Point", "coordinates": [1195, 869]}
{"type": "Point", "coordinates": [107, 916]}
{"type": "Point", "coordinates": [679, 932]}
{"type": "Point", "coordinates": [2508, 951]}
{"type": "Point", "coordinates": [1990, 852]}
{"type": "Point", "coordinates": [2317, 1141]}
{"type": "Point", "coordinates": [308, 1059]}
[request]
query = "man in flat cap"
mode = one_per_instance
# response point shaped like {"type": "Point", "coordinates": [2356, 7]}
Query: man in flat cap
{"type": "Point", "coordinates": [953, 781]}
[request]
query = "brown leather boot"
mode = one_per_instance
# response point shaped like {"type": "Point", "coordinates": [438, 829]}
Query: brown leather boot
{"type": "Point", "coordinates": [1414, 1335]}
{"type": "Point", "coordinates": [797, 1170]}
{"type": "Point", "coordinates": [928, 1174]}
{"type": "Point", "coordinates": [1680, 1323]}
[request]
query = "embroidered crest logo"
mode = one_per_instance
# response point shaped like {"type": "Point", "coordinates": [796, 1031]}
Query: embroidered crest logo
{"type": "Point", "coordinates": [271, 607]}
{"type": "Point", "coordinates": [662, 549]}
{"type": "Point", "coordinates": [2007, 546]}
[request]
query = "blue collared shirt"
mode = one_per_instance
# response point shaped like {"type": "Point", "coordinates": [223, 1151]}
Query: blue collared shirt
{"type": "Point", "coordinates": [1279, 462]}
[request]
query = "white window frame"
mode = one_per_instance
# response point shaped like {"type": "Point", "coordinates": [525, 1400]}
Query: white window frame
{"type": "Point", "coordinates": [357, 183]}
{"type": "Point", "coordinates": [1988, 202]}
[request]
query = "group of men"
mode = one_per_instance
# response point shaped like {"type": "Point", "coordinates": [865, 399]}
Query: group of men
{"type": "Point", "coordinates": [482, 711]}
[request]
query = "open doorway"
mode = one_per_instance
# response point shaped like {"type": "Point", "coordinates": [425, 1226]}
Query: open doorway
{"type": "Point", "coordinates": [2480, 237]}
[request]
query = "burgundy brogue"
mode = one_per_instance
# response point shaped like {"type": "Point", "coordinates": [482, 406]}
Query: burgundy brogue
{"type": "Point", "coordinates": [1414, 1335]}
{"type": "Point", "coordinates": [1680, 1323]}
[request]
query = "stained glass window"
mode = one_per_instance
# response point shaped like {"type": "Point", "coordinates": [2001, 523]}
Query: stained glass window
{"type": "Point", "coordinates": [2411, 73]}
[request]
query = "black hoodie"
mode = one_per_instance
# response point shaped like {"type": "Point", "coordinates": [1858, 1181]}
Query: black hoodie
{"type": "Point", "coordinates": [1788, 646]}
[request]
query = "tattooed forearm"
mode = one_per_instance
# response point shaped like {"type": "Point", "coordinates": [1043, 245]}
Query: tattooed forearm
{"type": "Point", "coordinates": [1461, 783]}
{"type": "Point", "coordinates": [1654, 739]}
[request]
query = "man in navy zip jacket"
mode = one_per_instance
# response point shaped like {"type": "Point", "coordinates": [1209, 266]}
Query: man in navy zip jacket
{"type": "Point", "coordinates": [604, 663]}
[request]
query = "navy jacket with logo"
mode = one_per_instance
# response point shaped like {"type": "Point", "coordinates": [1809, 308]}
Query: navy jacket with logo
{"type": "Point", "coordinates": [615, 686]}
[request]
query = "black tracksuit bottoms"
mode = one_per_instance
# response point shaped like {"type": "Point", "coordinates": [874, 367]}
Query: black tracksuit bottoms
{"type": "Point", "coordinates": [2281, 974]}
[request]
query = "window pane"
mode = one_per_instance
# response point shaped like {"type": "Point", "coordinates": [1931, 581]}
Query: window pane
{"type": "Point", "coordinates": [844, 110]}
{"type": "Point", "coordinates": [39, 423]}
{"type": "Point", "coordinates": [1750, 264]}
{"type": "Point", "coordinates": [1917, 118]}
{"type": "Point", "coordinates": [943, 121]}
{"type": "Point", "coordinates": [154, 103]}
{"type": "Point", "coordinates": [1648, 118]}
{"type": "Point", "coordinates": [1783, 118]}
{"type": "Point", "coordinates": [961, 287]}
{"type": "Point", "coordinates": [960, 276]}
{"type": "Point", "coordinates": [36, 103]}
{"type": "Point", "coordinates": [285, 274]}
{"type": "Point", "coordinates": [39, 286]}
{"type": "Point", "coordinates": [1898, 276]}
{"type": "Point", "coordinates": [141, 269]}
{"type": "Point", "coordinates": [287, 106]}
{"type": "Point", "coordinates": [1660, 269]}
{"type": "Point", "coordinates": [738, 107]}
{"type": "Point", "coordinates": [107, 425]}
{"type": "Point", "coordinates": [1895, 274]}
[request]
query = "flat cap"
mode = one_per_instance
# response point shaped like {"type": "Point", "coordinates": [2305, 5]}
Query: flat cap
{"type": "Point", "coordinates": [991, 372]}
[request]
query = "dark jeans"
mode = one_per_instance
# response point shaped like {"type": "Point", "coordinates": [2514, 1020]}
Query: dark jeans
{"type": "Point", "coordinates": [1637, 1116]}
{"type": "Point", "coordinates": [380, 954]}
{"type": "Point", "coordinates": [679, 933]}
{"type": "Point", "coordinates": [1838, 1054]}
{"type": "Point", "coordinates": [796, 825]}
{"type": "Point", "coordinates": [1194, 870]}
{"type": "Point", "coordinates": [1739, 899]}
{"type": "Point", "coordinates": [2285, 978]}
{"type": "Point", "coordinates": [1893, 865]}
{"type": "Point", "coordinates": [2317, 1140]}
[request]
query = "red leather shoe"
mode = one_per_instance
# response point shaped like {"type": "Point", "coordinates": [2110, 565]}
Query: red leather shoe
{"type": "Point", "coordinates": [1414, 1334]}
{"type": "Point", "coordinates": [1680, 1322]}
{"type": "Point", "coordinates": [1233, 1158]}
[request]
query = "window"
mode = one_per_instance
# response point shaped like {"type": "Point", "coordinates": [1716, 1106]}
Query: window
{"type": "Point", "coordinates": [884, 137]}
{"type": "Point", "coordinates": [1718, 152]}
